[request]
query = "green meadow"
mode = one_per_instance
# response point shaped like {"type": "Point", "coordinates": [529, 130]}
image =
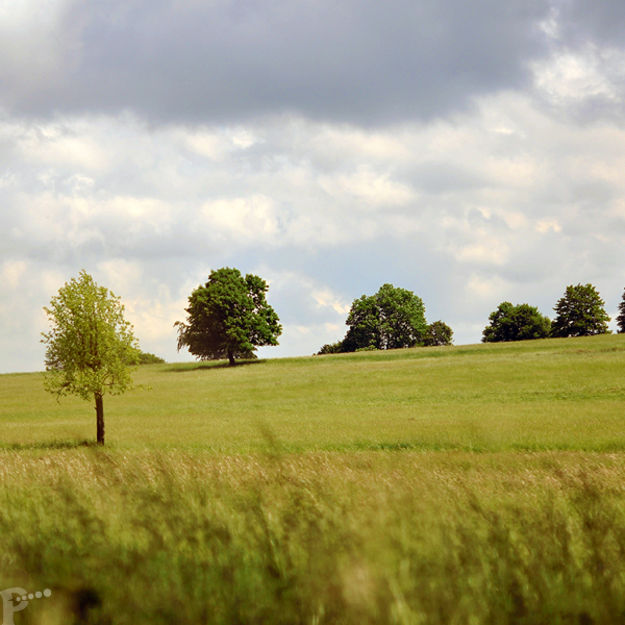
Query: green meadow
{"type": "Point", "coordinates": [469, 485]}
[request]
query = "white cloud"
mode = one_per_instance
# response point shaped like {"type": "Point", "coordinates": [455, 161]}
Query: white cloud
{"type": "Point", "coordinates": [572, 76]}
{"type": "Point", "coordinates": [51, 281]}
{"type": "Point", "coordinates": [548, 225]}
{"type": "Point", "coordinates": [11, 272]}
{"type": "Point", "coordinates": [125, 275]}
{"type": "Point", "coordinates": [250, 218]}
{"type": "Point", "coordinates": [349, 143]}
{"type": "Point", "coordinates": [203, 142]}
{"type": "Point", "coordinates": [485, 287]}
{"type": "Point", "coordinates": [492, 252]}
{"type": "Point", "coordinates": [53, 145]}
{"type": "Point", "coordinates": [243, 138]}
{"type": "Point", "coordinates": [365, 185]}
{"type": "Point", "coordinates": [326, 298]}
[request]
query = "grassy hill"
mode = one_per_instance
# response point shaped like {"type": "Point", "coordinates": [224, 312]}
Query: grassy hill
{"type": "Point", "coordinates": [477, 484]}
{"type": "Point", "coordinates": [549, 394]}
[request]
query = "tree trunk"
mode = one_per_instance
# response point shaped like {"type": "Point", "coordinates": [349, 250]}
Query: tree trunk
{"type": "Point", "coordinates": [99, 411]}
{"type": "Point", "coordinates": [230, 358]}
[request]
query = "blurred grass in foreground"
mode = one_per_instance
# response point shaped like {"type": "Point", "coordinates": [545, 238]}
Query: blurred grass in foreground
{"type": "Point", "coordinates": [325, 537]}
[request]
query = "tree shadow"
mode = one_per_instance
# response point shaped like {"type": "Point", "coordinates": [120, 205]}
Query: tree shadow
{"type": "Point", "coordinates": [217, 364]}
{"type": "Point", "coordinates": [48, 445]}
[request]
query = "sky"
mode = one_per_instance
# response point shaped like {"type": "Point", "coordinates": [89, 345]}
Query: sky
{"type": "Point", "coordinates": [471, 152]}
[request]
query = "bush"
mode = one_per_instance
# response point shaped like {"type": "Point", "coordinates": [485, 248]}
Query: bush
{"type": "Point", "coordinates": [146, 358]}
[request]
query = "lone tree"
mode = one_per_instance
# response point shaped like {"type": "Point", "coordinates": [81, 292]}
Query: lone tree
{"type": "Point", "coordinates": [228, 317]}
{"type": "Point", "coordinates": [89, 346]}
{"type": "Point", "coordinates": [437, 333]}
{"type": "Point", "coordinates": [390, 319]}
{"type": "Point", "coordinates": [516, 323]}
{"type": "Point", "coordinates": [580, 312]}
{"type": "Point", "coordinates": [620, 319]}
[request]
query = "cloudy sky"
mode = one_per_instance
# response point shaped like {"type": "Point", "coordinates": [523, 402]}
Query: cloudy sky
{"type": "Point", "coordinates": [472, 152]}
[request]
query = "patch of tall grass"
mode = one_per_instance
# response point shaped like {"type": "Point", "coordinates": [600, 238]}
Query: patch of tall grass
{"type": "Point", "coordinates": [325, 537]}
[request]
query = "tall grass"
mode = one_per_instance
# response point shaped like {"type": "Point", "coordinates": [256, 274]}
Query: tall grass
{"type": "Point", "coordinates": [362, 538]}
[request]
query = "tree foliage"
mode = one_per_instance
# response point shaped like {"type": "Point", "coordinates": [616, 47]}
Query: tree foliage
{"type": "Point", "coordinates": [390, 319]}
{"type": "Point", "coordinates": [620, 319]}
{"type": "Point", "coordinates": [516, 323]}
{"type": "Point", "coordinates": [89, 346]}
{"type": "Point", "coordinates": [580, 312]}
{"type": "Point", "coordinates": [228, 317]}
{"type": "Point", "coordinates": [147, 358]}
{"type": "Point", "coordinates": [331, 348]}
{"type": "Point", "coordinates": [438, 333]}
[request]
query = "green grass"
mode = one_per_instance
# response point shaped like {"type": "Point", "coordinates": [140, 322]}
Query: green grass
{"type": "Point", "coordinates": [468, 485]}
{"type": "Point", "coordinates": [552, 394]}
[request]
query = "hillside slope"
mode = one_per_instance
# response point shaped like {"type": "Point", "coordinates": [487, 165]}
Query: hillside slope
{"type": "Point", "coordinates": [548, 394]}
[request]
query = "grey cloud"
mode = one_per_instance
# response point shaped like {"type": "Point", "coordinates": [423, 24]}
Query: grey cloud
{"type": "Point", "coordinates": [358, 60]}
{"type": "Point", "coordinates": [440, 177]}
{"type": "Point", "coordinates": [585, 21]}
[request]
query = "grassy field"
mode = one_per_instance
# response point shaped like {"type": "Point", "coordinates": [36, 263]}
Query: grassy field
{"type": "Point", "coordinates": [477, 484]}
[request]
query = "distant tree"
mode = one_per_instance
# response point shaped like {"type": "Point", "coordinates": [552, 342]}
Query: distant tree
{"type": "Point", "coordinates": [620, 320]}
{"type": "Point", "coordinates": [516, 323]}
{"type": "Point", "coordinates": [145, 358]}
{"type": "Point", "coordinates": [89, 346]}
{"type": "Point", "coordinates": [580, 312]}
{"type": "Point", "coordinates": [364, 325]}
{"type": "Point", "coordinates": [331, 348]}
{"type": "Point", "coordinates": [390, 319]}
{"type": "Point", "coordinates": [437, 333]}
{"type": "Point", "coordinates": [228, 317]}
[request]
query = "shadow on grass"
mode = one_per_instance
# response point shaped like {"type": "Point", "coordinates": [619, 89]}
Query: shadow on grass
{"type": "Point", "coordinates": [216, 364]}
{"type": "Point", "coordinates": [54, 444]}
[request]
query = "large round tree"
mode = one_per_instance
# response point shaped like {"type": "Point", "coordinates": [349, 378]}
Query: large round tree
{"type": "Point", "coordinates": [390, 319]}
{"type": "Point", "coordinates": [580, 312]}
{"type": "Point", "coordinates": [516, 323]}
{"type": "Point", "coordinates": [228, 317]}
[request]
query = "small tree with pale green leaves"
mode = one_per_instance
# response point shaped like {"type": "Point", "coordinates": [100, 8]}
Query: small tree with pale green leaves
{"type": "Point", "coordinates": [90, 346]}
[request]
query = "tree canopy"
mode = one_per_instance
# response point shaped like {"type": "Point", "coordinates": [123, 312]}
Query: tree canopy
{"type": "Point", "coordinates": [89, 346]}
{"type": "Point", "coordinates": [580, 312]}
{"type": "Point", "coordinates": [620, 320]}
{"type": "Point", "coordinates": [390, 319]}
{"type": "Point", "coordinates": [516, 323]}
{"type": "Point", "coordinates": [437, 333]}
{"type": "Point", "coordinates": [228, 317]}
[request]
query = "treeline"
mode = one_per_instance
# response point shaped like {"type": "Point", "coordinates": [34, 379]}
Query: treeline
{"type": "Point", "coordinates": [579, 312]}
{"type": "Point", "coordinates": [395, 318]}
